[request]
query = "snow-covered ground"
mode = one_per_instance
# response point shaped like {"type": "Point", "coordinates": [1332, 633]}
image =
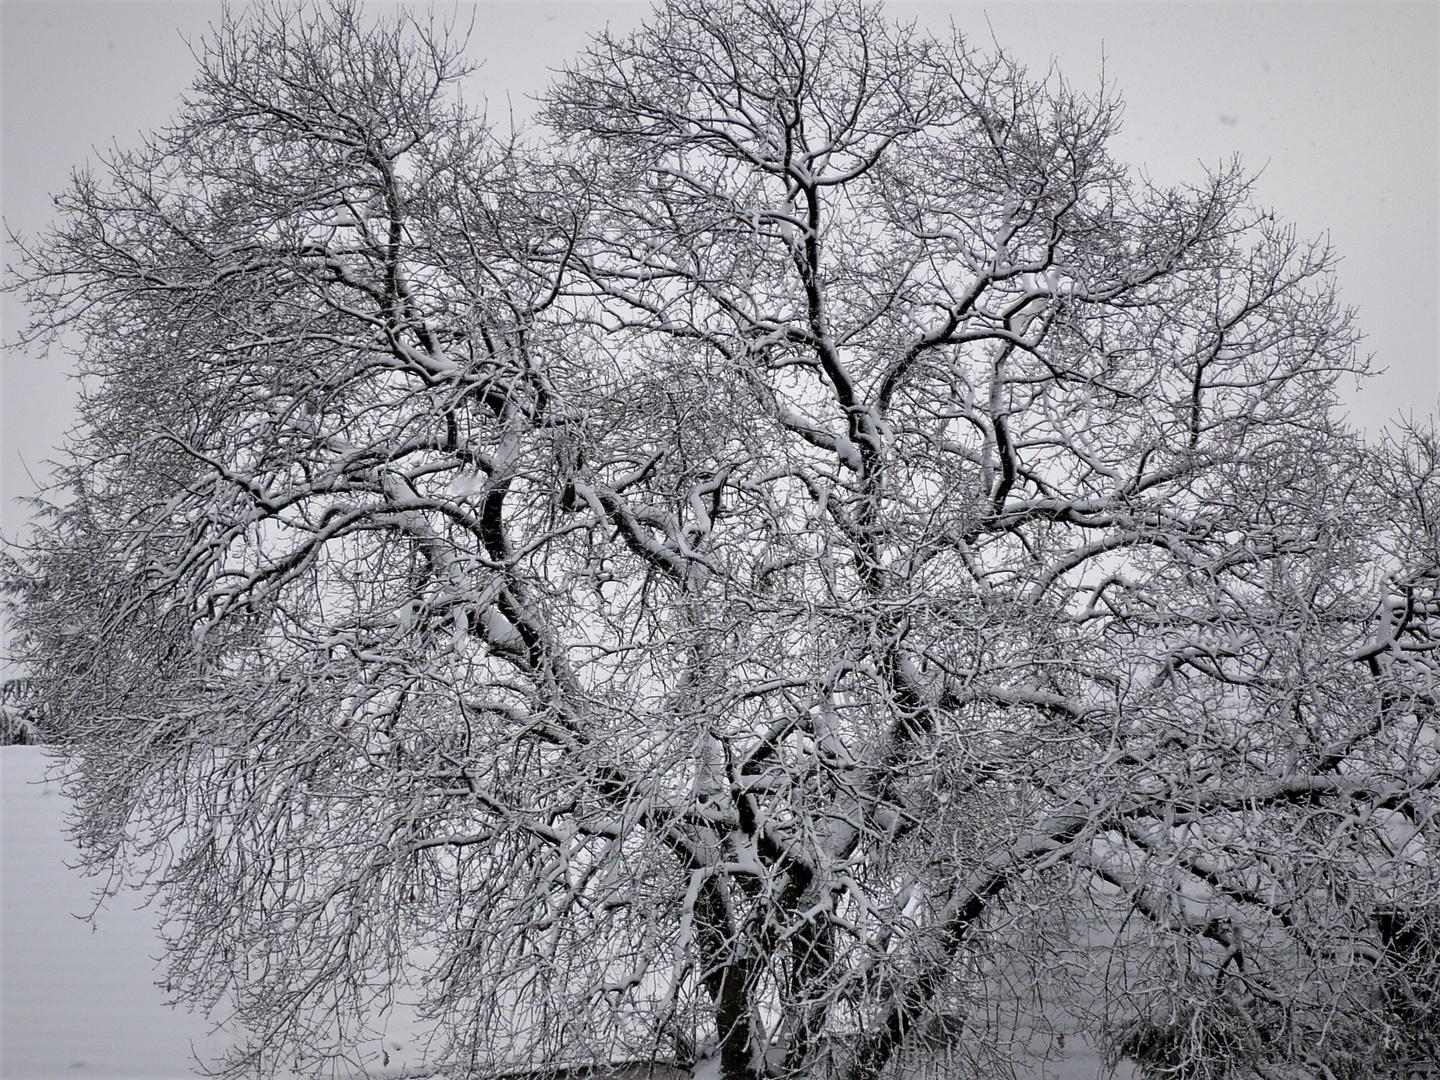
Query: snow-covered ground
{"type": "Point", "coordinates": [78, 1000]}
{"type": "Point", "coordinates": [81, 1000]}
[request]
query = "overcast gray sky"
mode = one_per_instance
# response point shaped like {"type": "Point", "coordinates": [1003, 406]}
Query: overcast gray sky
{"type": "Point", "coordinates": [1336, 102]}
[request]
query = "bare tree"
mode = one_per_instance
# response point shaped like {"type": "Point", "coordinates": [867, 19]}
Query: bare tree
{"type": "Point", "coordinates": [802, 559]}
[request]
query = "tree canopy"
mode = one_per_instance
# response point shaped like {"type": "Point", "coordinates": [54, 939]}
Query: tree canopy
{"type": "Point", "coordinates": [800, 560]}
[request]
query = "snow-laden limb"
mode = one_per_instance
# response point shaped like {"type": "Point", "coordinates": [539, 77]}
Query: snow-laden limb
{"type": "Point", "coordinates": [801, 553]}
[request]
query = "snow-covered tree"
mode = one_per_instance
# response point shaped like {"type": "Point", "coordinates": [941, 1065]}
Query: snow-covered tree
{"type": "Point", "coordinates": [801, 559]}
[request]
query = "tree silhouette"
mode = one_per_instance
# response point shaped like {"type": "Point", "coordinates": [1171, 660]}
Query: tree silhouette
{"type": "Point", "coordinates": [802, 560]}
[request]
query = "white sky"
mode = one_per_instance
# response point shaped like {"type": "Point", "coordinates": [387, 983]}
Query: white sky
{"type": "Point", "coordinates": [1338, 103]}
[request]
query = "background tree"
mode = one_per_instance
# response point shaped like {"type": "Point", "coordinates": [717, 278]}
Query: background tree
{"type": "Point", "coordinates": [803, 558]}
